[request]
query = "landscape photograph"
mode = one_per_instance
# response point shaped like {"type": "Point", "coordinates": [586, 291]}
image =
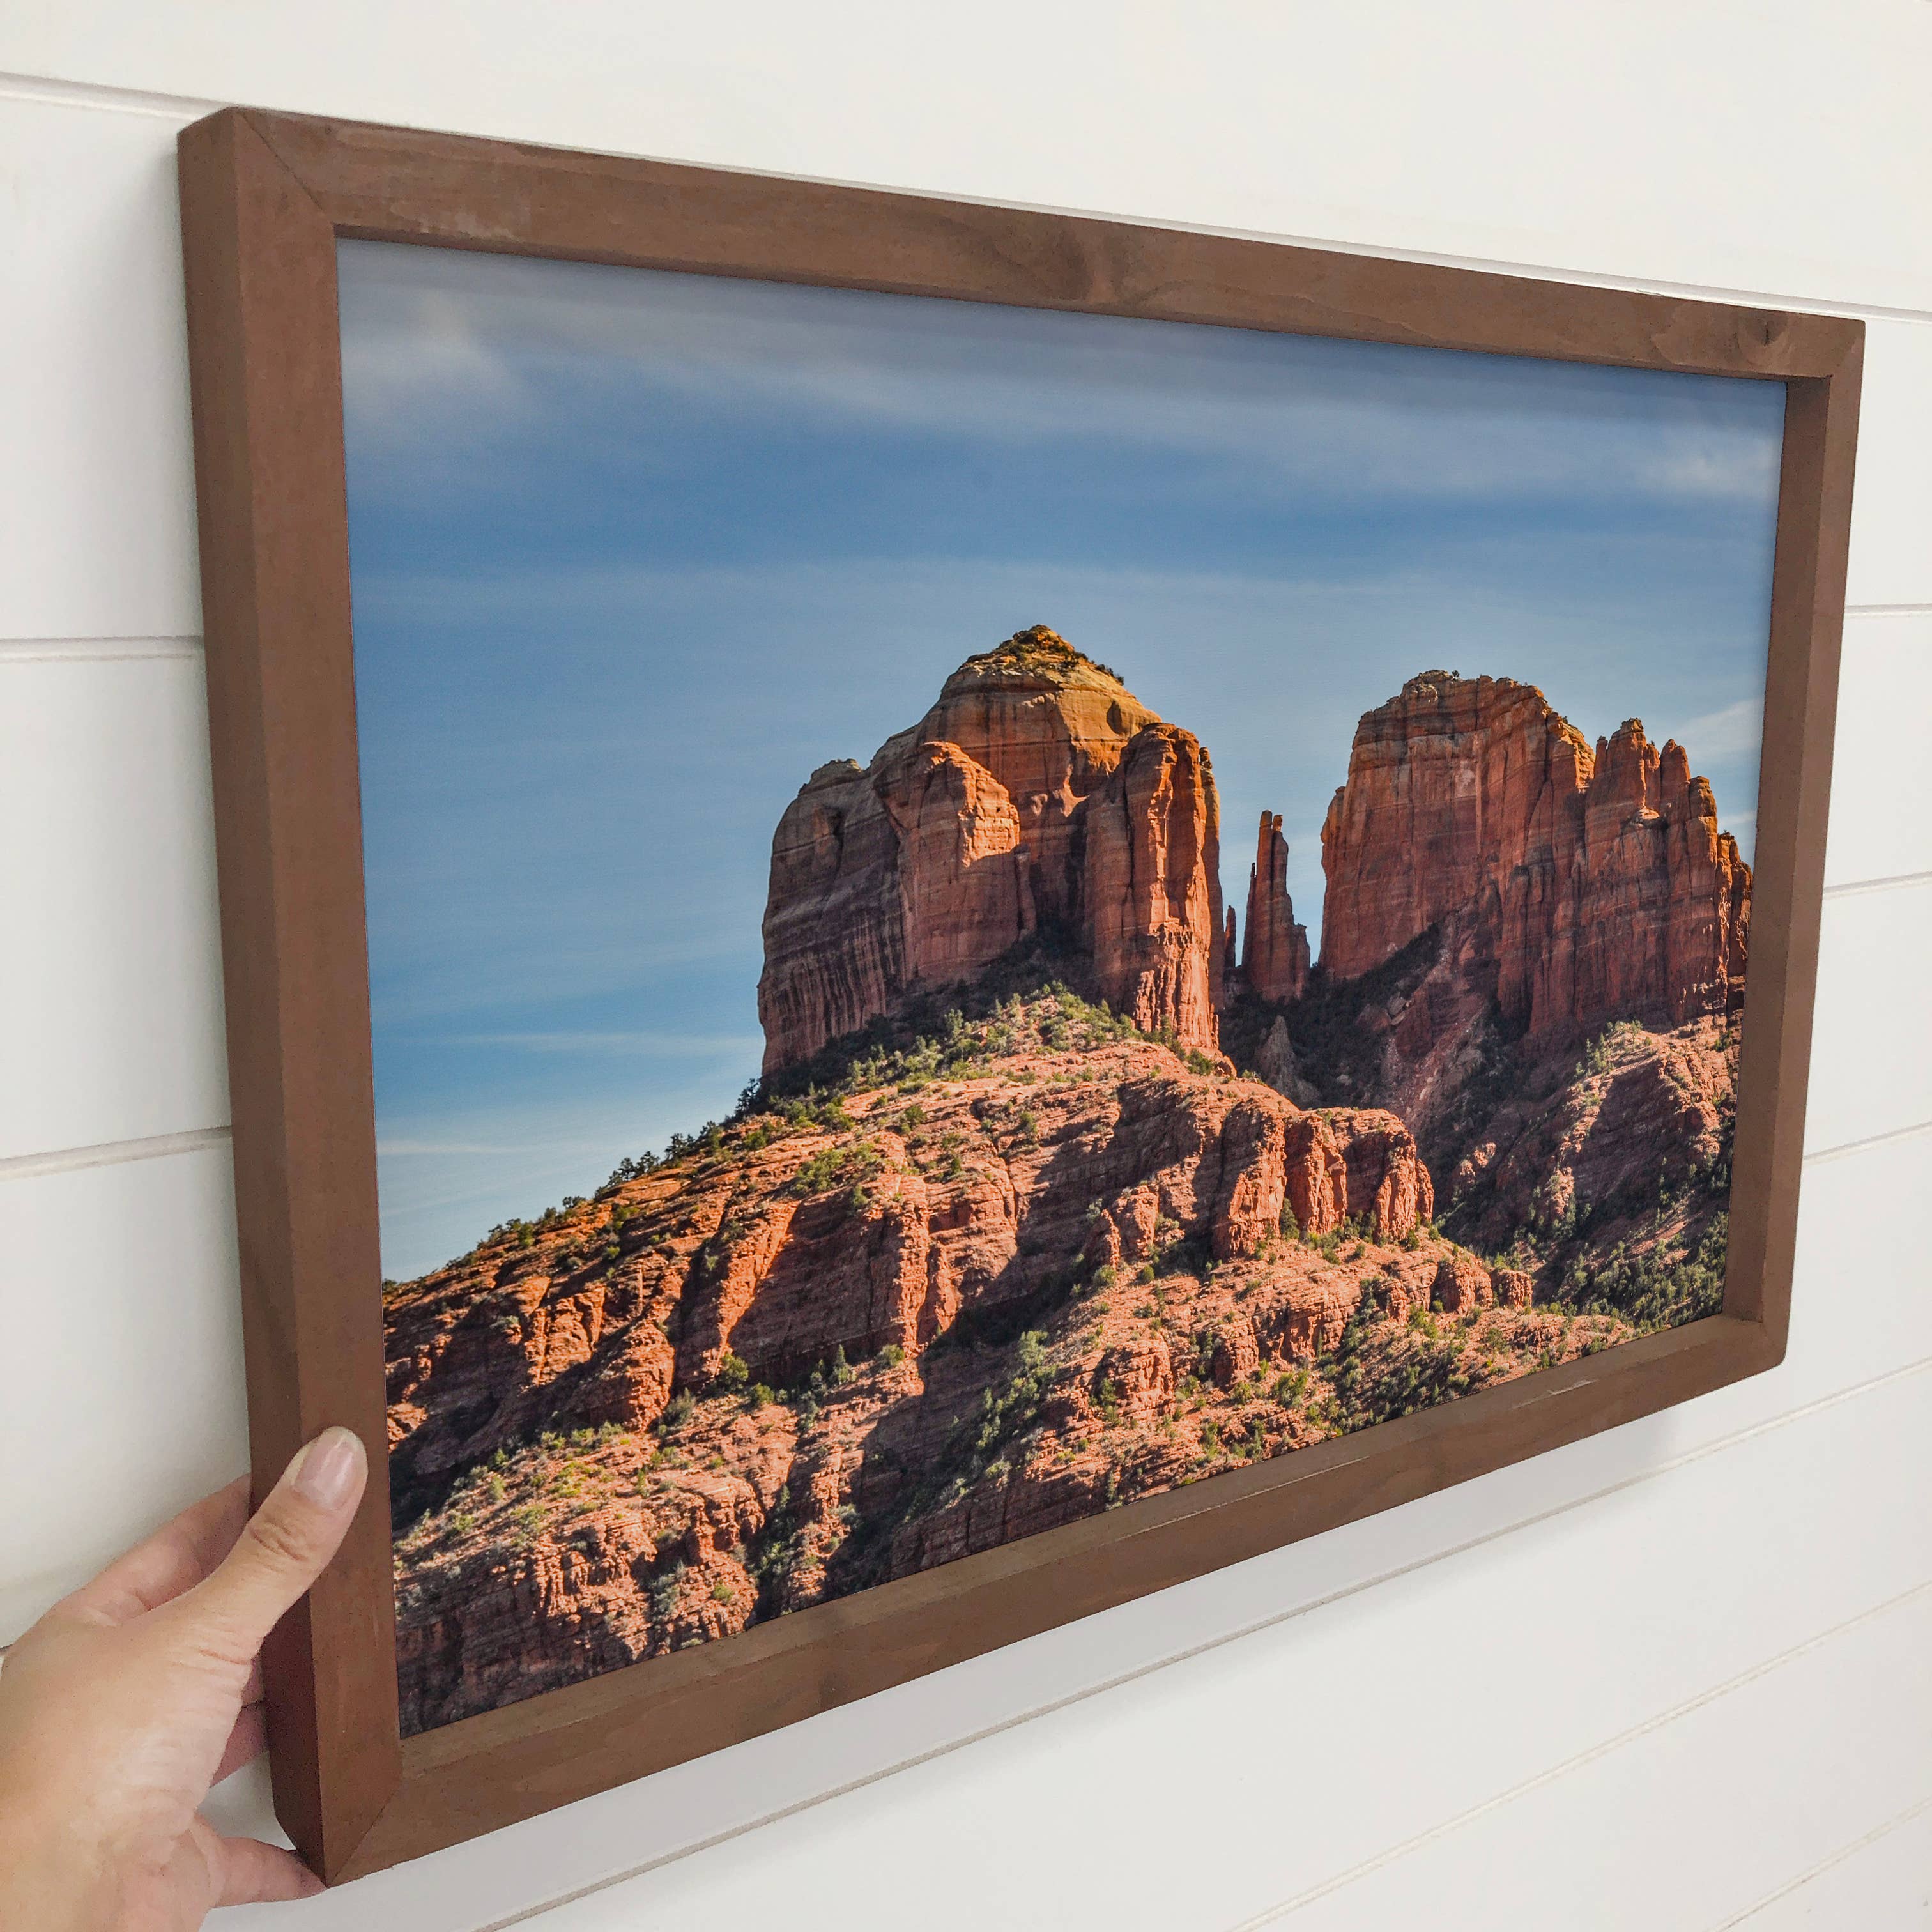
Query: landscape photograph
{"type": "Point", "coordinates": [976, 914]}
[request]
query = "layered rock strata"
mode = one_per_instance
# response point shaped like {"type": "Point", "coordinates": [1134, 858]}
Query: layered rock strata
{"type": "Point", "coordinates": [1580, 885]}
{"type": "Point", "coordinates": [1038, 792]}
{"type": "Point", "coordinates": [847, 1342]}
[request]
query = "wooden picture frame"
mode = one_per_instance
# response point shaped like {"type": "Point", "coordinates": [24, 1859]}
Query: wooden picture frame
{"type": "Point", "coordinates": [265, 198]}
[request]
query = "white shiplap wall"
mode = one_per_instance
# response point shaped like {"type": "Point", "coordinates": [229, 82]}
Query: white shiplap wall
{"type": "Point", "coordinates": [1678, 1676]}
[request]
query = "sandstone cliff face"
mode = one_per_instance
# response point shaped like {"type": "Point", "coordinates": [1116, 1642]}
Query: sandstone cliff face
{"type": "Point", "coordinates": [1643, 1114]}
{"type": "Point", "coordinates": [1151, 893]}
{"type": "Point", "coordinates": [1578, 885]}
{"type": "Point", "coordinates": [1038, 791]}
{"type": "Point", "coordinates": [850, 1340]}
{"type": "Point", "coordinates": [1274, 961]}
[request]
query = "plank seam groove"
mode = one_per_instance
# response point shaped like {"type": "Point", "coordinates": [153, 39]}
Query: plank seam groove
{"type": "Point", "coordinates": [1825, 1864]}
{"type": "Point", "coordinates": [110, 1154]}
{"type": "Point", "coordinates": [1140, 1672]}
{"type": "Point", "coordinates": [1897, 880]}
{"type": "Point", "coordinates": [101, 98]}
{"type": "Point", "coordinates": [1888, 610]}
{"type": "Point", "coordinates": [1764, 1667]}
{"type": "Point", "coordinates": [94, 650]}
{"type": "Point", "coordinates": [86, 95]}
{"type": "Point", "coordinates": [1820, 1155]}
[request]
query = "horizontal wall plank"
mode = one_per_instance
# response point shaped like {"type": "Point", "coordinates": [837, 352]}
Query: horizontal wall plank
{"type": "Point", "coordinates": [96, 495]}
{"type": "Point", "coordinates": [1881, 785]}
{"type": "Point", "coordinates": [1464, 132]}
{"type": "Point", "coordinates": [110, 984]}
{"type": "Point", "coordinates": [1871, 1038]}
{"type": "Point", "coordinates": [124, 1351]}
{"type": "Point", "coordinates": [1231, 1782]}
{"type": "Point", "coordinates": [1728, 1801]}
{"type": "Point", "coordinates": [1881, 1884]}
{"type": "Point", "coordinates": [1891, 556]}
{"type": "Point", "coordinates": [1860, 1311]}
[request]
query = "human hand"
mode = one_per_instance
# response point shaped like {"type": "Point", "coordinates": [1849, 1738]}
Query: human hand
{"type": "Point", "coordinates": [129, 1699]}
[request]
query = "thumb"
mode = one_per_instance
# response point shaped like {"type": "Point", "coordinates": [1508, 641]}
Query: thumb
{"type": "Point", "coordinates": [288, 1542]}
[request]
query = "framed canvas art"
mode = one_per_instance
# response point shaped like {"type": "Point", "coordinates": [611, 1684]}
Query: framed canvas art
{"type": "Point", "coordinates": [933, 915]}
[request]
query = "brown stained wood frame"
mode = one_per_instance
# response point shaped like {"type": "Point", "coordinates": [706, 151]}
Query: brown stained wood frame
{"type": "Point", "coordinates": [265, 197]}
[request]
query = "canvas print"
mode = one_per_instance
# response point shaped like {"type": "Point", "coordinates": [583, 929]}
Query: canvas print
{"type": "Point", "coordinates": [977, 914]}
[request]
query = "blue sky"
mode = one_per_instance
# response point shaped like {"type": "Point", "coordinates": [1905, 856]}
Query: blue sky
{"type": "Point", "coordinates": [633, 552]}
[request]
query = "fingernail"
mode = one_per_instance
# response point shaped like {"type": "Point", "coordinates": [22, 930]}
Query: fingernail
{"type": "Point", "coordinates": [328, 1468]}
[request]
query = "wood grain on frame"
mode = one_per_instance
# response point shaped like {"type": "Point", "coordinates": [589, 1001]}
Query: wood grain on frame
{"type": "Point", "coordinates": [265, 198]}
{"type": "Point", "coordinates": [265, 363]}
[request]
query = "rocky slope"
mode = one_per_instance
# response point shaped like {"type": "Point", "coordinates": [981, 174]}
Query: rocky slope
{"type": "Point", "coordinates": [1002, 1280]}
{"type": "Point", "coordinates": [1038, 795]}
{"type": "Point", "coordinates": [1574, 886]}
{"type": "Point", "coordinates": [1071, 1245]}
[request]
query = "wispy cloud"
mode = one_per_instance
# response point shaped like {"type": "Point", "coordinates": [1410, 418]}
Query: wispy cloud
{"type": "Point", "coordinates": [655, 1045]}
{"type": "Point", "coordinates": [387, 1149]}
{"type": "Point", "coordinates": [451, 351]}
{"type": "Point", "coordinates": [1734, 731]}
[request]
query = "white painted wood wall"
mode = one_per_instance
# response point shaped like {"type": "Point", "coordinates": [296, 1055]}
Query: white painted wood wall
{"type": "Point", "coordinates": [1679, 1676]}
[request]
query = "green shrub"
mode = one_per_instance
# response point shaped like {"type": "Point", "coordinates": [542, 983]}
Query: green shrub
{"type": "Point", "coordinates": [664, 1588]}
{"type": "Point", "coordinates": [819, 1172]}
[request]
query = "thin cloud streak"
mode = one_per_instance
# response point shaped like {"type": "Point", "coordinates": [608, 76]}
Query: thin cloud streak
{"type": "Point", "coordinates": [459, 352]}
{"type": "Point", "coordinates": [652, 1046]}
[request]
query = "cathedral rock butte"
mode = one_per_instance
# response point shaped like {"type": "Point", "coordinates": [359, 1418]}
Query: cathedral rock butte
{"type": "Point", "coordinates": [1577, 886]}
{"type": "Point", "coordinates": [939, 1290]}
{"type": "Point", "coordinates": [1039, 795]}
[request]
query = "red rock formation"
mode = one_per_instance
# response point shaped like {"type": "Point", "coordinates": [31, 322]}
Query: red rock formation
{"type": "Point", "coordinates": [1274, 962]}
{"type": "Point", "coordinates": [834, 927]}
{"type": "Point", "coordinates": [752, 1266]}
{"type": "Point", "coordinates": [1151, 893]}
{"type": "Point", "coordinates": [1050, 725]}
{"type": "Point", "coordinates": [1514, 1288]}
{"type": "Point", "coordinates": [1643, 1111]}
{"type": "Point", "coordinates": [1038, 791]}
{"type": "Point", "coordinates": [964, 889]}
{"type": "Point", "coordinates": [748, 1380]}
{"type": "Point", "coordinates": [1462, 1283]}
{"type": "Point", "coordinates": [1583, 886]}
